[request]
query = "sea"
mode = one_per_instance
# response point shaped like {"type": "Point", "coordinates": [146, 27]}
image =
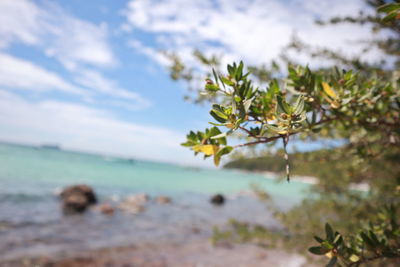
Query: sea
{"type": "Point", "coordinates": [32, 222]}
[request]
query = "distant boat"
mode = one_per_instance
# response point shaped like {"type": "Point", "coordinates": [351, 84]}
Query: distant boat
{"type": "Point", "coordinates": [50, 146]}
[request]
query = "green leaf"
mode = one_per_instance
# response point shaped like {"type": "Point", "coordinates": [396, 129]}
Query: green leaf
{"type": "Point", "coordinates": [219, 116]}
{"type": "Point", "coordinates": [226, 81]}
{"type": "Point", "coordinates": [282, 104]}
{"type": "Point", "coordinates": [247, 104]}
{"type": "Point", "coordinates": [274, 87]}
{"type": "Point", "coordinates": [215, 76]}
{"type": "Point", "coordinates": [211, 87]}
{"type": "Point", "coordinates": [225, 150]}
{"type": "Point", "coordinates": [216, 124]}
{"type": "Point", "coordinates": [367, 240]}
{"type": "Point", "coordinates": [220, 153]}
{"type": "Point", "coordinates": [189, 143]}
{"type": "Point", "coordinates": [387, 8]}
{"type": "Point", "coordinates": [390, 17]}
{"type": "Point", "coordinates": [213, 131]}
{"type": "Point", "coordinates": [332, 262]}
{"type": "Point", "coordinates": [192, 136]}
{"type": "Point", "coordinates": [231, 69]}
{"type": "Point", "coordinates": [326, 244]}
{"type": "Point", "coordinates": [276, 129]}
{"type": "Point", "coordinates": [339, 241]}
{"type": "Point", "coordinates": [299, 106]}
{"type": "Point", "coordinates": [239, 71]}
{"type": "Point", "coordinates": [318, 250]}
{"type": "Point", "coordinates": [318, 239]}
{"type": "Point", "coordinates": [221, 135]}
{"type": "Point", "coordinates": [348, 75]}
{"type": "Point", "coordinates": [374, 239]}
{"type": "Point", "coordinates": [329, 232]}
{"type": "Point", "coordinates": [337, 237]}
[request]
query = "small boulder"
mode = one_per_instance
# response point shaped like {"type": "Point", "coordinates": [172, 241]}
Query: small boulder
{"type": "Point", "coordinates": [106, 209]}
{"type": "Point", "coordinates": [163, 200]}
{"type": "Point", "coordinates": [138, 198]}
{"type": "Point", "coordinates": [77, 198]}
{"type": "Point", "coordinates": [217, 199]}
{"type": "Point", "coordinates": [134, 204]}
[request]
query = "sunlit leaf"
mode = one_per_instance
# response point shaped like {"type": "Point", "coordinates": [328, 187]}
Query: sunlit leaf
{"type": "Point", "coordinates": [329, 91]}
{"type": "Point", "coordinates": [208, 150]}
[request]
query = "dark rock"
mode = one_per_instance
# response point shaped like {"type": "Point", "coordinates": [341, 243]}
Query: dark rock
{"type": "Point", "coordinates": [86, 190]}
{"type": "Point", "coordinates": [217, 199]}
{"type": "Point", "coordinates": [77, 198]}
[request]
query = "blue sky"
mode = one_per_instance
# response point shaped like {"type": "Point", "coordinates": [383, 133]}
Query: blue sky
{"type": "Point", "coordinates": [89, 74]}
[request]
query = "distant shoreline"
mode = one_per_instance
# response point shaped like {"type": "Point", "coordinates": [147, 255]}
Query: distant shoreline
{"type": "Point", "coordinates": [273, 175]}
{"type": "Point", "coordinates": [312, 180]}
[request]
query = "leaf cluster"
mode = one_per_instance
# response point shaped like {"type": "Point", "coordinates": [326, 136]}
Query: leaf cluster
{"type": "Point", "coordinates": [380, 241]}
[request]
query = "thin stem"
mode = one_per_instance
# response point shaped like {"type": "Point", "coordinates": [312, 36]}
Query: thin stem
{"type": "Point", "coordinates": [285, 140]}
{"type": "Point", "coordinates": [264, 141]}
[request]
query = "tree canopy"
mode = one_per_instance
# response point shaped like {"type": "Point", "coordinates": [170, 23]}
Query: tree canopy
{"type": "Point", "coordinates": [354, 101]}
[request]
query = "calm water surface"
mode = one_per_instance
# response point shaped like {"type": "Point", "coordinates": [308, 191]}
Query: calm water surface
{"type": "Point", "coordinates": [31, 222]}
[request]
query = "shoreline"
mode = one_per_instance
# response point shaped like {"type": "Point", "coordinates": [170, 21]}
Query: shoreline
{"type": "Point", "coordinates": [297, 178]}
{"type": "Point", "coordinates": [273, 175]}
{"type": "Point", "coordinates": [312, 180]}
{"type": "Point", "coordinates": [198, 252]}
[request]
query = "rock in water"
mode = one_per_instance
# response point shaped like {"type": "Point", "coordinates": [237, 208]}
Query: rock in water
{"type": "Point", "coordinates": [134, 204]}
{"type": "Point", "coordinates": [163, 200]}
{"type": "Point", "coordinates": [77, 198]}
{"type": "Point", "coordinates": [217, 199]}
{"type": "Point", "coordinates": [106, 209]}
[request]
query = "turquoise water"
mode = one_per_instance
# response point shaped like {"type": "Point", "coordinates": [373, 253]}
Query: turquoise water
{"type": "Point", "coordinates": [27, 168]}
{"type": "Point", "coordinates": [31, 221]}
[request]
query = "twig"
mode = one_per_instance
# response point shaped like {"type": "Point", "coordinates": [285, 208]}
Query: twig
{"type": "Point", "coordinates": [285, 140]}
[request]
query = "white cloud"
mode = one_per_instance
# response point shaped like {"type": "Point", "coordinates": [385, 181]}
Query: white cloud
{"type": "Point", "coordinates": [17, 73]}
{"type": "Point", "coordinates": [83, 128]}
{"type": "Point", "coordinates": [97, 82]}
{"type": "Point", "coordinates": [76, 41]}
{"type": "Point", "coordinates": [70, 40]}
{"type": "Point", "coordinates": [254, 31]}
{"type": "Point", "coordinates": [78, 44]}
{"type": "Point", "coordinates": [148, 51]}
{"type": "Point", "coordinates": [23, 28]}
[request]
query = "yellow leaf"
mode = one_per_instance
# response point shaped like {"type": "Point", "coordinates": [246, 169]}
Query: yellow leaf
{"type": "Point", "coordinates": [329, 91]}
{"type": "Point", "coordinates": [335, 104]}
{"type": "Point", "coordinates": [329, 254]}
{"type": "Point", "coordinates": [270, 117]}
{"type": "Point", "coordinates": [354, 258]}
{"type": "Point", "coordinates": [206, 149]}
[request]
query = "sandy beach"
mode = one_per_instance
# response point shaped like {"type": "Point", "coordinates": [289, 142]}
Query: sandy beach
{"type": "Point", "coordinates": [162, 254]}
